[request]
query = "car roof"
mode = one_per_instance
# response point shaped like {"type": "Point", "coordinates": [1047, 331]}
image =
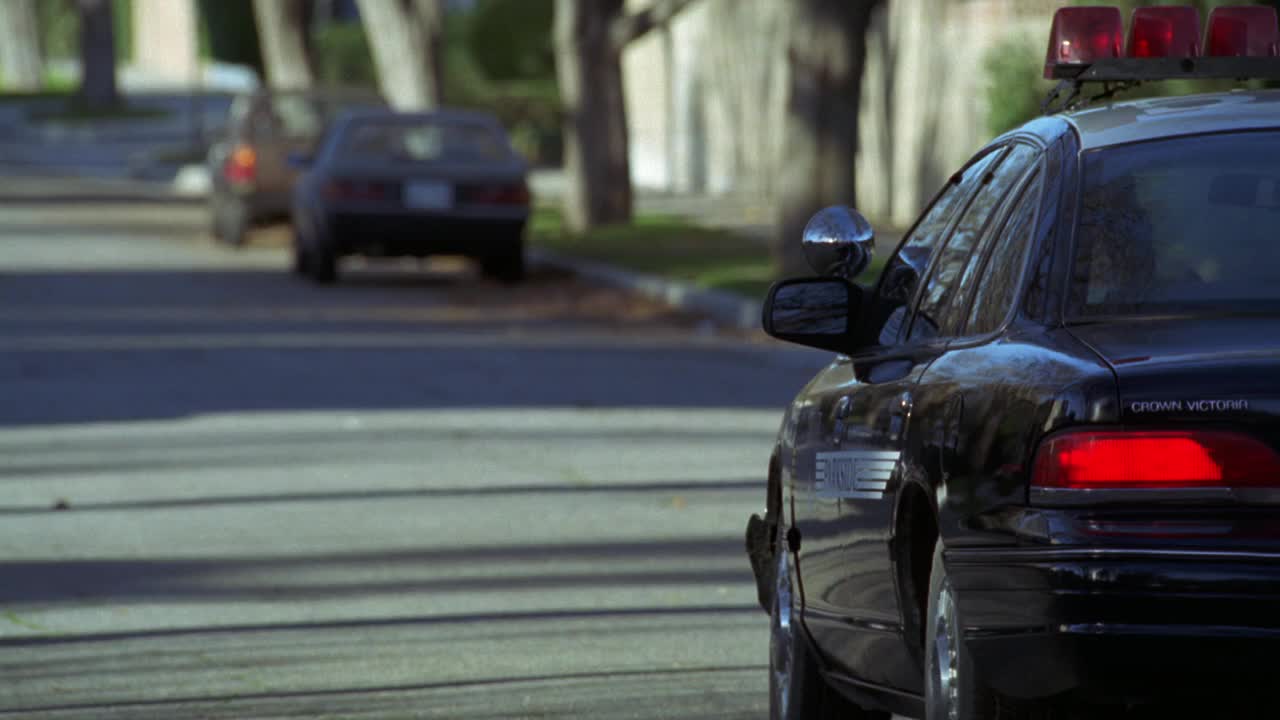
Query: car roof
{"type": "Point", "coordinates": [442, 114]}
{"type": "Point", "coordinates": [334, 92]}
{"type": "Point", "coordinates": [1155, 118]}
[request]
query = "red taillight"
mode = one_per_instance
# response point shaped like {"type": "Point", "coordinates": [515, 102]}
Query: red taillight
{"type": "Point", "coordinates": [1154, 459]}
{"type": "Point", "coordinates": [357, 190]}
{"type": "Point", "coordinates": [1166, 31]}
{"type": "Point", "coordinates": [241, 165]}
{"type": "Point", "coordinates": [1083, 35]}
{"type": "Point", "coordinates": [515, 194]}
{"type": "Point", "coordinates": [1242, 31]}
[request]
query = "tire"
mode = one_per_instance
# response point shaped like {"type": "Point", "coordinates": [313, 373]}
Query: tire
{"type": "Point", "coordinates": [300, 259]}
{"type": "Point", "coordinates": [952, 688]}
{"type": "Point", "coordinates": [215, 218]}
{"type": "Point", "coordinates": [322, 266]}
{"type": "Point", "coordinates": [797, 690]}
{"type": "Point", "coordinates": [508, 268]}
{"type": "Point", "coordinates": [230, 221]}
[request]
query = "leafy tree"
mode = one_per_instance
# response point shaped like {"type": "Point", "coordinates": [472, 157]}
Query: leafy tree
{"type": "Point", "coordinates": [283, 27]}
{"type": "Point", "coordinates": [232, 33]}
{"type": "Point", "coordinates": [20, 57]}
{"type": "Point", "coordinates": [826, 54]}
{"type": "Point", "coordinates": [97, 54]}
{"type": "Point", "coordinates": [589, 38]}
{"type": "Point", "coordinates": [405, 37]}
{"type": "Point", "coordinates": [511, 39]}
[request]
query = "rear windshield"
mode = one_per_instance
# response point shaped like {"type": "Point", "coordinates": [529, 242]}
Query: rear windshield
{"type": "Point", "coordinates": [1180, 225]}
{"type": "Point", "coordinates": [425, 141]}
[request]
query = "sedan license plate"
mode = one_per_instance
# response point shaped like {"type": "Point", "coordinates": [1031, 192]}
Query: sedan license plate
{"type": "Point", "coordinates": [428, 195]}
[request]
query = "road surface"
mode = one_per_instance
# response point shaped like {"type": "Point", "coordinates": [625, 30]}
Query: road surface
{"type": "Point", "coordinates": [230, 494]}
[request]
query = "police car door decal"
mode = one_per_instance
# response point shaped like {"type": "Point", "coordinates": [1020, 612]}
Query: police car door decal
{"type": "Point", "coordinates": [861, 474]}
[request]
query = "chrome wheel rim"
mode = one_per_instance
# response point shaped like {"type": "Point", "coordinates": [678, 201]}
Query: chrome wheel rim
{"type": "Point", "coordinates": [946, 661]}
{"type": "Point", "coordinates": [781, 641]}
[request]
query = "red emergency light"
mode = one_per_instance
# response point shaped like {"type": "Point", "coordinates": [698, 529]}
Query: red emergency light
{"type": "Point", "coordinates": [1165, 31]}
{"type": "Point", "coordinates": [1081, 36]}
{"type": "Point", "coordinates": [1242, 31]}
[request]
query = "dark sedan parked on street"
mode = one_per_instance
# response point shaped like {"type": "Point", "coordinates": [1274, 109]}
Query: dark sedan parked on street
{"type": "Point", "coordinates": [386, 184]}
{"type": "Point", "coordinates": [1042, 474]}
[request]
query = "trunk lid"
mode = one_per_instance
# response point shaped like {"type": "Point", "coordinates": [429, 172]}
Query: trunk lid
{"type": "Point", "coordinates": [1203, 373]}
{"type": "Point", "coordinates": [1206, 371]}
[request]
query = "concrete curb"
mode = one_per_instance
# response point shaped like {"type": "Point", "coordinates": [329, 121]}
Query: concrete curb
{"type": "Point", "coordinates": [723, 308]}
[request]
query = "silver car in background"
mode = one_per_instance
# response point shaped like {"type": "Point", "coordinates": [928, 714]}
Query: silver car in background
{"type": "Point", "coordinates": [385, 184]}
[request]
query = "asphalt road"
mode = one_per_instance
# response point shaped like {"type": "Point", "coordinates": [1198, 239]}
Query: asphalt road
{"type": "Point", "coordinates": [229, 494]}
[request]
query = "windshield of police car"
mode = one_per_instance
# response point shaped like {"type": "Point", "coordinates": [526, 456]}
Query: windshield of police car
{"type": "Point", "coordinates": [1180, 225]}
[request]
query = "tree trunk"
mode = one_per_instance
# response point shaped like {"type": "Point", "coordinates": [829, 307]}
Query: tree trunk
{"type": "Point", "coordinates": [97, 54]}
{"type": "Point", "coordinates": [820, 129]}
{"type": "Point", "coordinates": [404, 36]}
{"type": "Point", "coordinates": [20, 60]}
{"type": "Point", "coordinates": [282, 31]}
{"type": "Point", "coordinates": [595, 119]}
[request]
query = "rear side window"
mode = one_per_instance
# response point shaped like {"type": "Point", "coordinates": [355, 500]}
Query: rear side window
{"type": "Point", "coordinates": [1003, 268]}
{"type": "Point", "coordinates": [942, 310]}
{"type": "Point", "coordinates": [424, 142]}
{"type": "Point", "coordinates": [901, 275]}
{"type": "Point", "coordinates": [1179, 225]}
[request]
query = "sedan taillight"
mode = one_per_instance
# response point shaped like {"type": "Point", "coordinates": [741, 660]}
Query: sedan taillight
{"type": "Point", "coordinates": [241, 166]}
{"type": "Point", "coordinates": [497, 194]}
{"type": "Point", "coordinates": [1154, 459]}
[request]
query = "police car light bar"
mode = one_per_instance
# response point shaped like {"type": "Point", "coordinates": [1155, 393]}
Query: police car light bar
{"type": "Point", "coordinates": [1164, 32]}
{"type": "Point", "coordinates": [1081, 36]}
{"type": "Point", "coordinates": [1243, 32]}
{"type": "Point", "coordinates": [1085, 44]}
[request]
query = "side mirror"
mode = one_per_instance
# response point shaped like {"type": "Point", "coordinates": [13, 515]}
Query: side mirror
{"type": "Point", "coordinates": [838, 242]}
{"type": "Point", "coordinates": [817, 312]}
{"type": "Point", "coordinates": [299, 160]}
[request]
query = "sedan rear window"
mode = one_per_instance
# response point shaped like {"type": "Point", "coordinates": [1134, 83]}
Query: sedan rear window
{"type": "Point", "coordinates": [1180, 225]}
{"type": "Point", "coordinates": [424, 142]}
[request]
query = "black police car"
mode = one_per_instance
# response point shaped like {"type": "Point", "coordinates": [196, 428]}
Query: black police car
{"type": "Point", "coordinates": [1043, 471]}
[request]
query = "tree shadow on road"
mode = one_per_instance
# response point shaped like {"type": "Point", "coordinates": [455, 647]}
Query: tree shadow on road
{"type": "Point", "coordinates": [134, 345]}
{"type": "Point", "coordinates": [693, 561]}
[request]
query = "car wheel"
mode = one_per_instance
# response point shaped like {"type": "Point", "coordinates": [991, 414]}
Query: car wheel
{"type": "Point", "coordinates": [230, 221]}
{"type": "Point", "coordinates": [952, 688]}
{"type": "Point", "coordinates": [300, 259]}
{"type": "Point", "coordinates": [215, 217]}
{"type": "Point", "coordinates": [797, 690]}
{"type": "Point", "coordinates": [322, 265]}
{"type": "Point", "coordinates": [507, 268]}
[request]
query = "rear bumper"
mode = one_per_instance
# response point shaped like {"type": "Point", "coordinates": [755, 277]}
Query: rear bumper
{"type": "Point", "coordinates": [424, 234]}
{"type": "Point", "coordinates": [1118, 623]}
{"type": "Point", "coordinates": [261, 205]}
